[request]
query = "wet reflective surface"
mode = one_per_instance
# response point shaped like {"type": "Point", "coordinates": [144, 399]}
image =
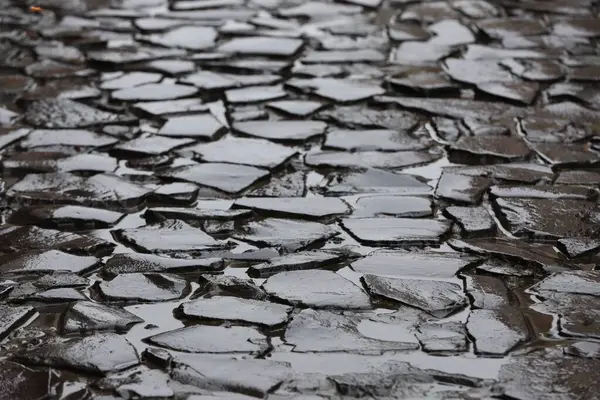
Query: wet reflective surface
{"type": "Point", "coordinates": [282, 199]}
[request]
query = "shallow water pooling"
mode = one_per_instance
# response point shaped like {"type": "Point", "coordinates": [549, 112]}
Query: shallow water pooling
{"type": "Point", "coordinates": [321, 200]}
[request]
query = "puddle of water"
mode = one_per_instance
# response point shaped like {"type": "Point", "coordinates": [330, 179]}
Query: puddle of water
{"type": "Point", "coordinates": [158, 314]}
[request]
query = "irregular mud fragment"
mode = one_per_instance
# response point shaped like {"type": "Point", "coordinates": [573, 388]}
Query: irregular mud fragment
{"type": "Point", "coordinates": [374, 180]}
{"type": "Point", "coordinates": [575, 282]}
{"type": "Point", "coordinates": [46, 261]}
{"type": "Point", "coordinates": [19, 381]}
{"type": "Point", "coordinates": [228, 178]}
{"type": "Point", "coordinates": [170, 236]}
{"type": "Point", "coordinates": [472, 220]}
{"type": "Point", "coordinates": [68, 114]}
{"type": "Point", "coordinates": [462, 188]}
{"type": "Point", "coordinates": [253, 376]}
{"type": "Point", "coordinates": [541, 255]}
{"type": "Point", "coordinates": [578, 314]}
{"type": "Point", "coordinates": [289, 185]}
{"type": "Point", "coordinates": [101, 190]}
{"type": "Point", "coordinates": [68, 217]}
{"type": "Point", "coordinates": [226, 285]}
{"type": "Point", "coordinates": [296, 262]}
{"type": "Point", "coordinates": [84, 317]}
{"type": "Point", "coordinates": [98, 354]}
{"type": "Point", "coordinates": [326, 331]}
{"type": "Point", "coordinates": [254, 152]}
{"type": "Point", "coordinates": [143, 287]}
{"type": "Point", "coordinates": [536, 376]}
{"type": "Point", "coordinates": [317, 289]}
{"type": "Point", "coordinates": [66, 137]}
{"type": "Point", "coordinates": [584, 349]}
{"type": "Point", "coordinates": [488, 149]}
{"type": "Point", "coordinates": [575, 247]}
{"type": "Point", "coordinates": [397, 231]}
{"type": "Point", "coordinates": [15, 238]}
{"type": "Point", "coordinates": [544, 192]}
{"type": "Point", "coordinates": [578, 178]}
{"type": "Point", "coordinates": [281, 130]}
{"type": "Point", "coordinates": [369, 140]}
{"type": "Point", "coordinates": [515, 172]}
{"type": "Point", "coordinates": [548, 218]}
{"type": "Point", "coordinates": [394, 206]}
{"type": "Point", "coordinates": [369, 159]}
{"type": "Point", "coordinates": [12, 317]}
{"type": "Point", "coordinates": [496, 332]}
{"type": "Point", "coordinates": [212, 339]}
{"type": "Point", "coordinates": [357, 117]}
{"type": "Point", "coordinates": [199, 126]}
{"type": "Point", "coordinates": [232, 309]}
{"type": "Point", "coordinates": [297, 207]}
{"type": "Point", "coordinates": [285, 233]}
{"type": "Point", "coordinates": [435, 336]}
{"type": "Point", "coordinates": [413, 264]}
{"type": "Point", "coordinates": [504, 268]}
{"type": "Point", "coordinates": [437, 298]}
{"type": "Point", "coordinates": [125, 263]}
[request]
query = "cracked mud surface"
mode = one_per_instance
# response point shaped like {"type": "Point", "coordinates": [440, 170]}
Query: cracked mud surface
{"type": "Point", "coordinates": [237, 199]}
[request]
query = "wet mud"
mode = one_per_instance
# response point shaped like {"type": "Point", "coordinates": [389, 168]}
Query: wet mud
{"type": "Point", "coordinates": [284, 199]}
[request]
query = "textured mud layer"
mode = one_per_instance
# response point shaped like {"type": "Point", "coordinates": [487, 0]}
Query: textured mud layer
{"type": "Point", "coordinates": [286, 199]}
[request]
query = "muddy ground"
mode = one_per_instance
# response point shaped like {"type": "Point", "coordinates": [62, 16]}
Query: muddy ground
{"type": "Point", "coordinates": [237, 199]}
